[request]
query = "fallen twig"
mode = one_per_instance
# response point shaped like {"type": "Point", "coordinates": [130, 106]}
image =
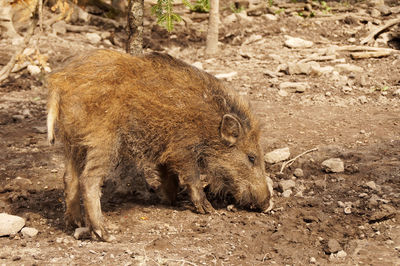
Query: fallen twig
{"type": "Point", "coordinates": [5, 71]}
{"type": "Point", "coordinates": [291, 161]}
{"type": "Point", "coordinates": [379, 30]}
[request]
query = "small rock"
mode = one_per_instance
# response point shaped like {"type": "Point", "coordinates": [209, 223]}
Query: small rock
{"type": "Point", "coordinates": [293, 42]}
{"type": "Point", "coordinates": [294, 86]}
{"type": "Point", "coordinates": [333, 246]}
{"type": "Point", "coordinates": [341, 254]}
{"type": "Point", "coordinates": [230, 19]}
{"type": "Point", "coordinates": [320, 183]}
{"type": "Point", "coordinates": [82, 233]}
{"type": "Point", "coordinates": [231, 208]}
{"type": "Point", "coordinates": [283, 93]}
{"type": "Point", "coordinates": [10, 224]}
{"type": "Point", "coordinates": [371, 185]}
{"type": "Point", "coordinates": [287, 193]}
{"type": "Point", "coordinates": [313, 260]}
{"type": "Point", "coordinates": [33, 70]}
{"type": "Point", "coordinates": [59, 240]}
{"type": "Point", "coordinates": [41, 130]}
{"type": "Point", "coordinates": [333, 165]}
{"type": "Point", "coordinates": [284, 185]}
{"type": "Point", "coordinates": [60, 27]}
{"type": "Point", "coordinates": [347, 210]}
{"type": "Point", "coordinates": [277, 155]}
{"type": "Point", "coordinates": [29, 232]}
{"type": "Point", "coordinates": [373, 201]}
{"type": "Point", "coordinates": [349, 68]}
{"type": "Point", "coordinates": [362, 99]}
{"type": "Point", "coordinates": [270, 17]}
{"type": "Point", "coordinates": [93, 37]}
{"type": "Point", "coordinates": [198, 65]}
{"type": "Point", "coordinates": [298, 172]}
{"type": "Point", "coordinates": [346, 89]}
{"type": "Point", "coordinates": [304, 68]}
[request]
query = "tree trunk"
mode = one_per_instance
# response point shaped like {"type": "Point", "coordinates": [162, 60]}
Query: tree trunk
{"type": "Point", "coordinates": [134, 45]}
{"type": "Point", "coordinates": [212, 32]}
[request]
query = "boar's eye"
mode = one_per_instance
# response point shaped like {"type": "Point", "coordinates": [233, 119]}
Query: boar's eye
{"type": "Point", "coordinates": [252, 158]}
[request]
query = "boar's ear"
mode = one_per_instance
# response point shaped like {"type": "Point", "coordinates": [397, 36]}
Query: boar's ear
{"type": "Point", "coordinates": [231, 129]}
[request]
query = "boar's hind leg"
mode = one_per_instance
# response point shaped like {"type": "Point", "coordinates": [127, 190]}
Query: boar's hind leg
{"type": "Point", "coordinates": [169, 184]}
{"type": "Point", "coordinates": [73, 169]}
{"type": "Point", "coordinates": [97, 166]}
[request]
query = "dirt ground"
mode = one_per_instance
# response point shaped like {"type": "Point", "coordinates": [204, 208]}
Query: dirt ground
{"type": "Point", "coordinates": [354, 116]}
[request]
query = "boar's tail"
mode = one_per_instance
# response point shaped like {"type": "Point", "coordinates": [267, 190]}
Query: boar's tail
{"type": "Point", "coordinates": [52, 114]}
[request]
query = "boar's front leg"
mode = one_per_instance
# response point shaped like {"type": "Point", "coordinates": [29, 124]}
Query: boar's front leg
{"type": "Point", "coordinates": [97, 166]}
{"type": "Point", "coordinates": [196, 192]}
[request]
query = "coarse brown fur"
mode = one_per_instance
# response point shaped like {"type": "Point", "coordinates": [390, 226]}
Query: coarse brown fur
{"type": "Point", "coordinates": [159, 112]}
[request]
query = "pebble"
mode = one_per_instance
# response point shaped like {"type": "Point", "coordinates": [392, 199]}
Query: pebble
{"type": "Point", "coordinates": [284, 185]}
{"type": "Point", "coordinates": [270, 17]}
{"type": "Point", "coordinates": [396, 92]}
{"type": "Point", "coordinates": [362, 99]}
{"type": "Point", "coordinates": [333, 246]}
{"type": "Point", "coordinates": [33, 70]}
{"type": "Point", "coordinates": [313, 260]}
{"type": "Point", "coordinates": [293, 42]}
{"type": "Point", "coordinates": [298, 172]}
{"type": "Point", "coordinates": [29, 231]}
{"type": "Point", "coordinates": [277, 155]}
{"type": "Point", "coordinates": [333, 165]}
{"type": "Point", "coordinates": [371, 185]}
{"type": "Point", "coordinates": [283, 93]}
{"type": "Point", "coordinates": [294, 86]}
{"type": "Point", "coordinates": [287, 193]}
{"type": "Point", "coordinates": [82, 233]}
{"type": "Point", "coordinates": [341, 254]}
{"type": "Point", "coordinates": [93, 37]}
{"type": "Point", "coordinates": [347, 210]}
{"type": "Point", "coordinates": [10, 224]}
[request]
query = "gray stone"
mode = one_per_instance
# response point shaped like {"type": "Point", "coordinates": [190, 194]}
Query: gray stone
{"type": "Point", "coordinates": [298, 172]}
{"type": "Point", "coordinates": [29, 232]}
{"type": "Point", "coordinates": [333, 165]}
{"type": "Point", "coordinates": [285, 185]}
{"type": "Point", "coordinates": [320, 183]}
{"type": "Point", "coordinates": [10, 224]}
{"type": "Point", "coordinates": [294, 86]}
{"type": "Point", "coordinates": [82, 233]}
{"type": "Point", "coordinates": [93, 37]}
{"type": "Point", "coordinates": [277, 155]}
{"type": "Point", "coordinates": [333, 246]}
{"type": "Point", "coordinates": [293, 42]}
{"type": "Point", "coordinates": [349, 68]}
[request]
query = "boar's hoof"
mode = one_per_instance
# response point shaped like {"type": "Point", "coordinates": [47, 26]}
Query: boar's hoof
{"type": "Point", "coordinates": [203, 206]}
{"type": "Point", "coordinates": [103, 235]}
{"type": "Point", "coordinates": [73, 221]}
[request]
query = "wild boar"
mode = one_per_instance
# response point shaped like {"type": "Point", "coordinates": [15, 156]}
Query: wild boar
{"type": "Point", "coordinates": [161, 113]}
